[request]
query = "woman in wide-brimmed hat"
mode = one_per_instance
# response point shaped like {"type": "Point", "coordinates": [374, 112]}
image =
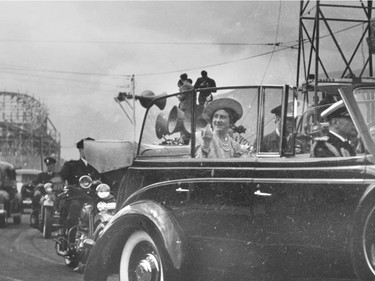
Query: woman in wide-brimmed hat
{"type": "Point", "coordinates": [215, 142]}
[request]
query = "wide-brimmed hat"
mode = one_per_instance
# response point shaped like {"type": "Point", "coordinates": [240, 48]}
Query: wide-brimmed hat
{"type": "Point", "coordinates": [223, 103]}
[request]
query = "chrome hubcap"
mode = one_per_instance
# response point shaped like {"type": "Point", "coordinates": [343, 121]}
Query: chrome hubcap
{"type": "Point", "coordinates": [148, 269]}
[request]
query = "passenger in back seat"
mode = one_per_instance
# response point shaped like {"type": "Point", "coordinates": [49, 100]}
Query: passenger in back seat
{"type": "Point", "coordinates": [216, 142]}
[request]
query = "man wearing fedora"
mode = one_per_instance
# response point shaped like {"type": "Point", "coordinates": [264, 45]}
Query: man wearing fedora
{"type": "Point", "coordinates": [42, 178]}
{"type": "Point", "coordinates": [221, 115]}
{"type": "Point", "coordinates": [341, 129]}
{"type": "Point", "coordinates": [271, 141]}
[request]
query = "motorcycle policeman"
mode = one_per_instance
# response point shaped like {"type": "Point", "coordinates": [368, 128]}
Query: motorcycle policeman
{"type": "Point", "coordinates": [71, 204]}
{"type": "Point", "coordinates": [42, 178]}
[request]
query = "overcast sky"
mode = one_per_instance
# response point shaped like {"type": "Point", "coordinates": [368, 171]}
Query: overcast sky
{"type": "Point", "coordinates": [76, 56]}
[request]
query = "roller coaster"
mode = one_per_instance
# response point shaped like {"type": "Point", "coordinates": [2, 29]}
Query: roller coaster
{"type": "Point", "coordinates": [27, 134]}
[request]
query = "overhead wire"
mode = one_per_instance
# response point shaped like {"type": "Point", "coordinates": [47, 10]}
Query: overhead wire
{"type": "Point", "coordinates": [49, 77]}
{"type": "Point", "coordinates": [138, 42]}
{"type": "Point", "coordinates": [25, 68]}
{"type": "Point", "coordinates": [276, 37]}
{"type": "Point", "coordinates": [268, 64]}
{"type": "Point", "coordinates": [282, 46]}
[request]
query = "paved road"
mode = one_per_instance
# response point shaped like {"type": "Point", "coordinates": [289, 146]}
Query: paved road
{"type": "Point", "coordinates": [26, 256]}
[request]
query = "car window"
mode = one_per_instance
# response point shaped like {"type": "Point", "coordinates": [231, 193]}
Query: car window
{"type": "Point", "coordinates": [28, 177]}
{"type": "Point", "coordinates": [9, 175]}
{"type": "Point", "coordinates": [365, 98]}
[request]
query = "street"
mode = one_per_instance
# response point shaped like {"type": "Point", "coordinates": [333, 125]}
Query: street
{"type": "Point", "coordinates": [26, 256]}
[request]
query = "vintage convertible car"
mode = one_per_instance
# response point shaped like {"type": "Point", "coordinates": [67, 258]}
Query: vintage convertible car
{"type": "Point", "coordinates": [267, 215]}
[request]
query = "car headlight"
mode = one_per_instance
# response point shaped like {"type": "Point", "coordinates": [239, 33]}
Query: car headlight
{"type": "Point", "coordinates": [103, 190]}
{"type": "Point", "coordinates": [101, 206]}
{"type": "Point", "coordinates": [85, 182]}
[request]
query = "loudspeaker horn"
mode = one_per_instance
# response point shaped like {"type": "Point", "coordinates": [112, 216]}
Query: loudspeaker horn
{"type": "Point", "coordinates": [175, 120]}
{"type": "Point", "coordinates": [200, 122]}
{"type": "Point", "coordinates": [161, 125]}
{"type": "Point", "coordinates": [148, 96]}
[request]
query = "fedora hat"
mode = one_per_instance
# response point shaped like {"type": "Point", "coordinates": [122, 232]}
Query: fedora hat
{"type": "Point", "coordinates": [277, 110]}
{"type": "Point", "coordinates": [223, 103]}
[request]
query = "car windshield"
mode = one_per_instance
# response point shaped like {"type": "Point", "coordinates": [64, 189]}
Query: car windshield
{"type": "Point", "coordinates": [168, 123]}
{"type": "Point", "coordinates": [26, 177]}
{"type": "Point", "coordinates": [365, 98]}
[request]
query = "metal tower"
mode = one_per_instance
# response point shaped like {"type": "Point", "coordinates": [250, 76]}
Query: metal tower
{"type": "Point", "coordinates": [343, 32]}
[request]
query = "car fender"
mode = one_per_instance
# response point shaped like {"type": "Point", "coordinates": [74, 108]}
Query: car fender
{"type": "Point", "coordinates": [369, 190]}
{"type": "Point", "coordinates": [102, 217]}
{"type": "Point", "coordinates": [148, 216]}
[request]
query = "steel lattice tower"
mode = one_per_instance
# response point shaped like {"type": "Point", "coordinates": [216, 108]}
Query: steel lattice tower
{"type": "Point", "coordinates": [326, 23]}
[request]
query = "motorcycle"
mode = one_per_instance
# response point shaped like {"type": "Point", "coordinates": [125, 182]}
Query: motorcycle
{"type": "Point", "coordinates": [93, 218]}
{"type": "Point", "coordinates": [46, 217]}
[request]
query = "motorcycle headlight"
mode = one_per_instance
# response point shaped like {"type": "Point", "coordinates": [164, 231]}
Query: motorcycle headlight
{"type": "Point", "coordinates": [85, 182]}
{"type": "Point", "coordinates": [103, 190]}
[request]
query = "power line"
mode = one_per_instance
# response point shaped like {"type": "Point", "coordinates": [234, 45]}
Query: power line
{"type": "Point", "coordinates": [61, 71]}
{"type": "Point", "coordinates": [216, 64]}
{"type": "Point", "coordinates": [136, 42]}
{"type": "Point", "coordinates": [276, 37]}
{"type": "Point", "coordinates": [47, 77]}
{"type": "Point", "coordinates": [283, 46]}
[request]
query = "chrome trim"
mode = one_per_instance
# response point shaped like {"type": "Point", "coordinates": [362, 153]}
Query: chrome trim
{"type": "Point", "coordinates": [253, 180]}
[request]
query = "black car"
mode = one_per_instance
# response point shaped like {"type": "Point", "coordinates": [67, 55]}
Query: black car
{"type": "Point", "coordinates": [267, 215]}
{"type": "Point", "coordinates": [25, 187]}
{"type": "Point", "coordinates": [10, 199]}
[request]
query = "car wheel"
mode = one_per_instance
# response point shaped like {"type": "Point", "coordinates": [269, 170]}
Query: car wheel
{"type": "Point", "coordinates": [140, 259]}
{"type": "Point", "coordinates": [17, 219]}
{"type": "Point", "coordinates": [363, 241]}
